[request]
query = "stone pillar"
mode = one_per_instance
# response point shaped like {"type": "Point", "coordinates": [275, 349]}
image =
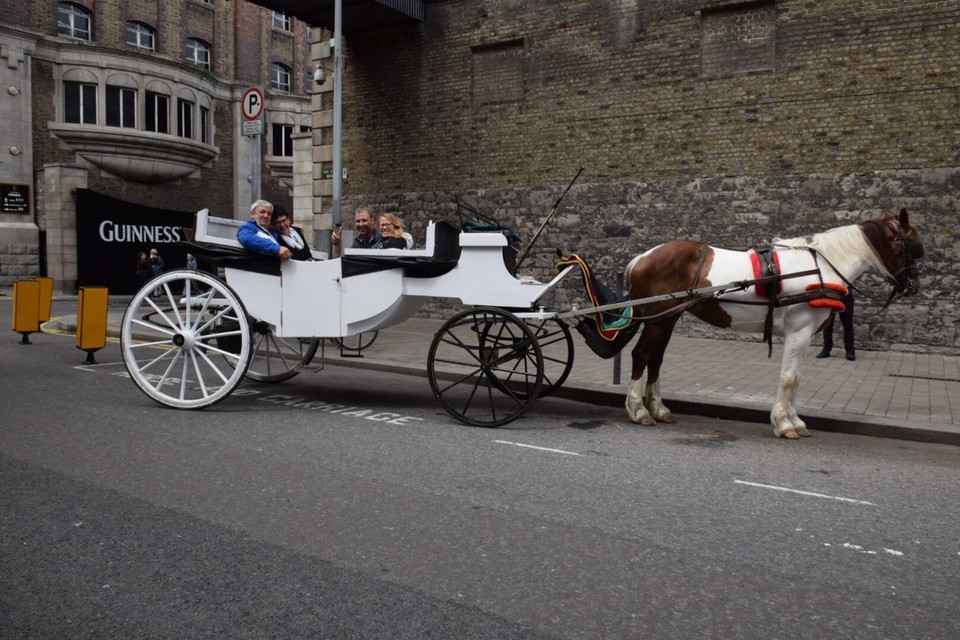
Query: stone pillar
{"type": "Point", "coordinates": [321, 148]}
{"type": "Point", "coordinates": [19, 233]}
{"type": "Point", "coordinates": [303, 211]}
{"type": "Point", "coordinates": [59, 212]}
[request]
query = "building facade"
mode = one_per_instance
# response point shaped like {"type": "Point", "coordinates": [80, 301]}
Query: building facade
{"type": "Point", "coordinates": [140, 100]}
{"type": "Point", "coordinates": [727, 121]}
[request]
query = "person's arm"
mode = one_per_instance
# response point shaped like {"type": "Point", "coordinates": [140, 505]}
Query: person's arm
{"type": "Point", "coordinates": [336, 237]}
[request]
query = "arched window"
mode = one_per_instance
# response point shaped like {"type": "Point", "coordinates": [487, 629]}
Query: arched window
{"type": "Point", "coordinates": [198, 53]}
{"type": "Point", "coordinates": [73, 21]}
{"type": "Point", "coordinates": [140, 36]}
{"type": "Point", "coordinates": [280, 77]}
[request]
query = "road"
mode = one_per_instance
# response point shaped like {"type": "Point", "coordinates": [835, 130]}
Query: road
{"type": "Point", "coordinates": [345, 504]}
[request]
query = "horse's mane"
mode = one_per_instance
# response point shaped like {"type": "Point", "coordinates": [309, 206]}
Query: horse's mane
{"type": "Point", "coordinates": [837, 245]}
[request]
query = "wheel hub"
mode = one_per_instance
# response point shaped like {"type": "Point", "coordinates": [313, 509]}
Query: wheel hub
{"type": "Point", "coordinates": [184, 340]}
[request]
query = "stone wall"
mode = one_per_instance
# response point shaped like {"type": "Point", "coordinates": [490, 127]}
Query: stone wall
{"type": "Point", "coordinates": [729, 121]}
{"type": "Point", "coordinates": [610, 223]}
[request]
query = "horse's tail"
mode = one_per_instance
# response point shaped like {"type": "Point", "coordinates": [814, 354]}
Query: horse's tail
{"type": "Point", "coordinates": [605, 332]}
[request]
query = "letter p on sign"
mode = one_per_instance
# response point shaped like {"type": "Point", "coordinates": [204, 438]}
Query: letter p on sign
{"type": "Point", "coordinates": [252, 103]}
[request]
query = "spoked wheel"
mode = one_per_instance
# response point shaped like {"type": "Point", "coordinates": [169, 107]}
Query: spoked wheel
{"type": "Point", "coordinates": [277, 359]}
{"type": "Point", "coordinates": [556, 344]}
{"type": "Point", "coordinates": [189, 347]}
{"type": "Point", "coordinates": [485, 367]}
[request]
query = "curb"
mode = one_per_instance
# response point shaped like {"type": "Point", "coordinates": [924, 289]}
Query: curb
{"type": "Point", "coordinates": [878, 427]}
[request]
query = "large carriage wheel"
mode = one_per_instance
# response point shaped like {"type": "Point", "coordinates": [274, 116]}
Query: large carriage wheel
{"type": "Point", "coordinates": [277, 359]}
{"type": "Point", "coordinates": [485, 367]}
{"type": "Point", "coordinates": [556, 344]}
{"type": "Point", "coordinates": [189, 347]}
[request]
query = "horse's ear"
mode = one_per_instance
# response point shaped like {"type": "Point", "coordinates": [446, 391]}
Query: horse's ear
{"type": "Point", "coordinates": [886, 214]}
{"type": "Point", "coordinates": [904, 219]}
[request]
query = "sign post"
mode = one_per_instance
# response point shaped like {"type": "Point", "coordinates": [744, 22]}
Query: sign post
{"type": "Point", "coordinates": [252, 107]}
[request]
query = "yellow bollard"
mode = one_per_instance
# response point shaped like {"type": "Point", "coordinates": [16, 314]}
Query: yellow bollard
{"type": "Point", "coordinates": [26, 308]}
{"type": "Point", "coordinates": [46, 298]}
{"type": "Point", "coordinates": [92, 320]}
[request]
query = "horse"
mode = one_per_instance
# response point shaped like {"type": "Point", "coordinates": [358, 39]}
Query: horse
{"type": "Point", "coordinates": [805, 280]}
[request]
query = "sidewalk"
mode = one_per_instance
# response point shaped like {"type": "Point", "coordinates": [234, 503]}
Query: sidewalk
{"type": "Point", "coordinates": [906, 396]}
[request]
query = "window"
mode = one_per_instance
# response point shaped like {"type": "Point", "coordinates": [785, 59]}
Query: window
{"type": "Point", "coordinates": [157, 110]}
{"type": "Point", "coordinates": [79, 102]}
{"type": "Point", "coordinates": [198, 53]}
{"type": "Point", "coordinates": [121, 107]}
{"type": "Point", "coordinates": [205, 125]}
{"type": "Point", "coordinates": [140, 35]}
{"type": "Point", "coordinates": [73, 21]}
{"type": "Point", "coordinates": [282, 144]}
{"type": "Point", "coordinates": [184, 118]}
{"type": "Point", "coordinates": [280, 77]}
{"type": "Point", "coordinates": [281, 21]}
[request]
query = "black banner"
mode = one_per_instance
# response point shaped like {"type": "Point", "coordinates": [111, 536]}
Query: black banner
{"type": "Point", "coordinates": [111, 233]}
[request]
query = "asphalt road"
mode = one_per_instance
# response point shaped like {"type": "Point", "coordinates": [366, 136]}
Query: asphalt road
{"type": "Point", "coordinates": [346, 504]}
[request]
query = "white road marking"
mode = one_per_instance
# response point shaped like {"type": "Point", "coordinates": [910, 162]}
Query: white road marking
{"type": "Point", "coordinates": [804, 493]}
{"type": "Point", "coordinates": [530, 446]}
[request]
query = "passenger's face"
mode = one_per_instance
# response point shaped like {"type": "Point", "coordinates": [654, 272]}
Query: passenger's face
{"type": "Point", "coordinates": [363, 222]}
{"type": "Point", "coordinates": [282, 224]}
{"type": "Point", "coordinates": [262, 215]}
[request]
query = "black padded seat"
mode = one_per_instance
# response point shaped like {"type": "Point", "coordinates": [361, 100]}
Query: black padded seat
{"type": "Point", "coordinates": [446, 253]}
{"type": "Point", "coordinates": [220, 256]}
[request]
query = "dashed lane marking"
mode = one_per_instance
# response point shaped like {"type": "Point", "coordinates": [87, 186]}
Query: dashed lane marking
{"type": "Point", "coordinates": [531, 446]}
{"type": "Point", "coordinates": [803, 493]}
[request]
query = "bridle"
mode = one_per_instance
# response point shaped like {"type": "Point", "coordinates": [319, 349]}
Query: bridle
{"type": "Point", "coordinates": [904, 279]}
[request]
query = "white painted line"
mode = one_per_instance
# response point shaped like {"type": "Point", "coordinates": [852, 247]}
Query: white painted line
{"type": "Point", "coordinates": [530, 446]}
{"type": "Point", "coordinates": [803, 493]}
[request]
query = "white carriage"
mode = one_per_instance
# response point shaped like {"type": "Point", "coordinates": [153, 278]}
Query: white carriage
{"type": "Point", "coordinates": [194, 342]}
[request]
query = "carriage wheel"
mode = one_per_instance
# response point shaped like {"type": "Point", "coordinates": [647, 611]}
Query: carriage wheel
{"type": "Point", "coordinates": [485, 367]}
{"type": "Point", "coordinates": [277, 359]}
{"type": "Point", "coordinates": [556, 344]}
{"type": "Point", "coordinates": [189, 347]}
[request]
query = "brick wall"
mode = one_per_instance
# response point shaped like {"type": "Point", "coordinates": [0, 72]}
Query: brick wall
{"type": "Point", "coordinates": [730, 121]}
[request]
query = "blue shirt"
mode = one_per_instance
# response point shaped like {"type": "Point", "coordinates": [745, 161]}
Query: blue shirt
{"type": "Point", "coordinates": [253, 237]}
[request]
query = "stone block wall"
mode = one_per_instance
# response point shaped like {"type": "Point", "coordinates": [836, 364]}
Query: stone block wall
{"type": "Point", "coordinates": [610, 223]}
{"type": "Point", "coordinates": [730, 121]}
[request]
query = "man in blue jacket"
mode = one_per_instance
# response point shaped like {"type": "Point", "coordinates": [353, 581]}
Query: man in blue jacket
{"type": "Point", "coordinates": [255, 234]}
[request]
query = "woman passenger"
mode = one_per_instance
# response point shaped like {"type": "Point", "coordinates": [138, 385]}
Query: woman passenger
{"type": "Point", "coordinates": [391, 228]}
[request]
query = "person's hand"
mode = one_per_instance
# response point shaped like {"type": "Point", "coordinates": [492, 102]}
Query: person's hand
{"type": "Point", "coordinates": [285, 253]}
{"type": "Point", "coordinates": [335, 236]}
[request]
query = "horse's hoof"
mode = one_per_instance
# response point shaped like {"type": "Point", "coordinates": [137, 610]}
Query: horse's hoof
{"type": "Point", "coordinates": [644, 419]}
{"type": "Point", "coordinates": [790, 434]}
{"type": "Point", "coordinates": [668, 417]}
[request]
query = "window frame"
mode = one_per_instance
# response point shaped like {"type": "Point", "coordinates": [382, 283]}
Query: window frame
{"type": "Point", "coordinates": [283, 141]}
{"type": "Point", "coordinates": [69, 29]}
{"type": "Point", "coordinates": [125, 108]}
{"type": "Point", "coordinates": [138, 30]}
{"type": "Point", "coordinates": [193, 47]}
{"type": "Point", "coordinates": [281, 21]}
{"type": "Point", "coordinates": [152, 115]}
{"type": "Point", "coordinates": [280, 77]}
{"type": "Point", "coordinates": [185, 118]}
{"type": "Point", "coordinates": [86, 92]}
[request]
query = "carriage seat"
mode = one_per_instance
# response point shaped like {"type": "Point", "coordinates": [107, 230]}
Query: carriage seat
{"type": "Point", "coordinates": [438, 257]}
{"type": "Point", "coordinates": [223, 232]}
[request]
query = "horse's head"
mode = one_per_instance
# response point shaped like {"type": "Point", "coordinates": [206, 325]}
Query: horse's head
{"type": "Point", "coordinates": [898, 246]}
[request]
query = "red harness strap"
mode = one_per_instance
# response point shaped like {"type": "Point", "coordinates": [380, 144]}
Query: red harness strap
{"type": "Point", "coordinates": [760, 272]}
{"type": "Point", "coordinates": [825, 302]}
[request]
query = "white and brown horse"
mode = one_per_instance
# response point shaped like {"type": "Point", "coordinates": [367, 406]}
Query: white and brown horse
{"type": "Point", "coordinates": [836, 258]}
